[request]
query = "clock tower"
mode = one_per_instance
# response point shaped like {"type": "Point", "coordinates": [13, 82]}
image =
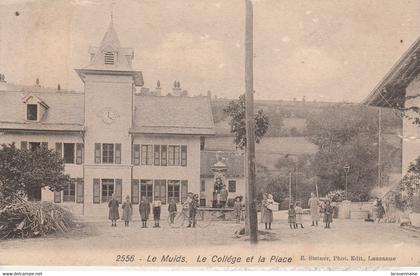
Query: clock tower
{"type": "Point", "coordinates": [109, 85]}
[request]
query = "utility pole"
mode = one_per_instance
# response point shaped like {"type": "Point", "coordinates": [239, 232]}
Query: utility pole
{"type": "Point", "coordinates": [250, 124]}
{"type": "Point", "coordinates": [379, 147]}
{"type": "Point", "coordinates": [290, 188]}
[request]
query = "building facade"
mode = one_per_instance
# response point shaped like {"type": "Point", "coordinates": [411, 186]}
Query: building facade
{"type": "Point", "coordinates": [112, 139]}
{"type": "Point", "coordinates": [400, 90]}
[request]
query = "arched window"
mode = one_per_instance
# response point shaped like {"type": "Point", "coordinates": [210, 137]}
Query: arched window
{"type": "Point", "coordinates": [109, 58]}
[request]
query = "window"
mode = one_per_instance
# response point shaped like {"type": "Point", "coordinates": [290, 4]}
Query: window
{"type": "Point", "coordinates": [136, 154]}
{"type": "Point", "coordinates": [203, 185]}
{"type": "Point", "coordinates": [79, 153]}
{"type": "Point", "coordinates": [98, 153]}
{"type": "Point", "coordinates": [32, 112]}
{"type": "Point", "coordinates": [147, 154]}
{"type": "Point", "coordinates": [69, 192]}
{"type": "Point", "coordinates": [202, 143]}
{"type": "Point", "coordinates": [184, 156]}
{"type": "Point", "coordinates": [117, 153]}
{"type": "Point", "coordinates": [173, 155]}
{"type": "Point", "coordinates": [68, 153]}
{"type": "Point", "coordinates": [107, 189]}
{"type": "Point", "coordinates": [146, 189]}
{"type": "Point", "coordinates": [109, 58]}
{"type": "Point", "coordinates": [107, 153]}
{"type": "Point", "coordinates": [163, 155]}
{"type": "Point", "coordinates": [173, 190]}
{"type": "Point", "coordinates": [80, 190]}
{"type": "Point", "coordinates": [160, 190]}
{"type": "Point", "coordinates": [232, 186]}
{"type": "Point", "coordinates": [157, 155]}
{"type": "Point", "coordinates": [34, 145]}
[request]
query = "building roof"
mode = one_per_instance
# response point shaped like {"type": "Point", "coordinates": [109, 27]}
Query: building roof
{"type": "Point", "coordinates": [390, 91]}
{"type": "Point", "coordinates": [233, 160]}
{"type": "Point", "coordinates": [65, 112]}
{"type": "Point", "coordinates": [173, 115]}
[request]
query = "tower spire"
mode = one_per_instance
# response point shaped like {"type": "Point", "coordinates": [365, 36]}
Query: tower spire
{"type": "Point", "coordinates": [112, 12]}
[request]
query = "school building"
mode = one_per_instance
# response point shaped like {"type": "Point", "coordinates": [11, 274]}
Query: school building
{"type": "Point", "coordinates": [111, 138]}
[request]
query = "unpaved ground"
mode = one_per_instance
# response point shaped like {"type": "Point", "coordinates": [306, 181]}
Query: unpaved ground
{"type": "Point", "coordinates": [101, 237]}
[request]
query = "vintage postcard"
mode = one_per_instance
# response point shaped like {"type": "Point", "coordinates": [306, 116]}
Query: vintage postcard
{"type": "Point", "coordinates": [210, 134]}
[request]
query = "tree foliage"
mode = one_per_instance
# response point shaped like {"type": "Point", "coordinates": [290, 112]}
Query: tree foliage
{"type": "Point", "coordinates": [23, 170]}
{"type": "Point", "coordinates": [236, 112]}
{"type": "Point", "coordinates": [347, 135]}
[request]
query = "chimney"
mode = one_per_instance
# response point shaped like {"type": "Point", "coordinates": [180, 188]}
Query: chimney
{"type": "Point", "coordinates": [209, 94]}
{"type": "Point", "coordinates": [2, 78]}
{"type": "Point", "coordinates": [37, 82]}
{"type": "Point", "coordinates": [176, 90]}
{"type": "Point", "coordinates": [58, 87]}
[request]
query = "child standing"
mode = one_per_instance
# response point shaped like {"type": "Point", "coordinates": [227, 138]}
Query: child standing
{"type": "Point", "coordinates": [127, 211]}
{"type": "Point", "coordinates": [237, 207]}
{"type": "Point", "coordinates": [292, 216]}
{"type": "Point", "coordinates": [328, 214]}
{"type": "Point", "coordinates": [156, 205]}
{"type": "Point", "coordinates": [144, 209]}
{"type": "Point", "coordinates": [172, 211]}
{"type": "Point", "coordinates": [299, 215]}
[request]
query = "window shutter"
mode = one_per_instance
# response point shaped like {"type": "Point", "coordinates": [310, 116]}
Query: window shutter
{"type": "Point", "coordinates": [59, 149]}
{"type": "Point", "coordinates": [136, 154]}
{"type": "Point", "coordinates": [98, 153]}
{"type": "Point", "coordinates": [57, 197]}
{"type": "Point", "coordinates": [135, 191]}
{"type": "Point", "coordinates": [79, 153]}
{"type": "Point", "coordinates": [23, 145]}
{"type": "Point", "coordinates": [117, 153]}
{"type": "Point", "coordinates": [184, 190]}
{"type": "Point", "coordinates": [44, 145]}
{"type": "Point", "coordinates": [184, 156]}
{"type": "Point", "coordinates": [96, 190]}
{"type": "Point", "coordinates": [118, 189]}
{"type": "Point", "coordinates": [164, 156]}
{"type": "Point", "coordinates": [80, 190]}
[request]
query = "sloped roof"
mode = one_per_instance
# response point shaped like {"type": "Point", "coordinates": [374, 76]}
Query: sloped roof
{"type": "Point", "coordinates": [233, 160]}
{"type": "Point", "coordinates": [390, 91]}
{"type": "Point", "coordinates": [65, 112]}
{"type": "Point", "coordinates": [173, 115]}
{"type": "Point", "coordinates": [152, 115]}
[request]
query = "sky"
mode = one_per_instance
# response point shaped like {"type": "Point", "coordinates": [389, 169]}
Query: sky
{"type": "Point", "coordinates": [323, 50]}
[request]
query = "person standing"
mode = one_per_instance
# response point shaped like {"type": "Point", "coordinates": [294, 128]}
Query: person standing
{"type": "Point", "coordinates": [313, 203]}
{"type": "Point", "coordinates": [114, 214]}
{"type": "Point", "coordinates": [328, 214]}
{"type": "Point", "coordinates": [156, 205]}
{"type": "Point", "coordinates": [266, 213]}
{"type": "Point", "coordinates": [237, 209]}
{"type": "Point", "coordinates": [299, 215]}
{"type": "Point", "coordinates": [194, 203]}
{"type": "Point", "coordinates": [291, 216]}
{"type": "Point", "coordinates": [223, 196]}
{"type": "Point", "coordinates": [144, 210]}
{"type": "Point", "coordinates": [127, 211]}
{"type": "Point", "coordinates": [380, 210]}
{"type": "Point", "coordinates": [172, 211]}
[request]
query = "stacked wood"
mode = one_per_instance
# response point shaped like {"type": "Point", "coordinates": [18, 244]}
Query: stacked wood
{"type": "Point", "coordinates": [25, 219]}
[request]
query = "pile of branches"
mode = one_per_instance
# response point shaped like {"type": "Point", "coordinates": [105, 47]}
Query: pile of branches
{"type": "Point", "coordinates": [25, 219]}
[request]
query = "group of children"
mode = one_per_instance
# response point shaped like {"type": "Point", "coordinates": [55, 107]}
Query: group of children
{"type": "Point", "coordinates": [145, 209]}
{"type": "Point", "coordinates": [295, 213]}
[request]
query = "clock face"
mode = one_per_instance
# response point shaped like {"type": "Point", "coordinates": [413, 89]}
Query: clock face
{"type": "Point", "coordinates": [109, 115]}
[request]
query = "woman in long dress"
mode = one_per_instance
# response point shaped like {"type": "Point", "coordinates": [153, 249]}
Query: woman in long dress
{"type": "Point", "coordinates": [299, 215]}
{"type": "Point", "coordinates": [266, 213]}
{"type": "Point", "coordinates": [313, 203]}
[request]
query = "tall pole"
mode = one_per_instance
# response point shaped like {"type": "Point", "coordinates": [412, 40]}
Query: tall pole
{"type": "Point", "coordinates": [379, 148]}
{"type": "Point", "coordinates": [290, 188]}
{"type": "Point", "coordinates": [346, 187]}
{"type": "Point", "coordinates": [250, 124]}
